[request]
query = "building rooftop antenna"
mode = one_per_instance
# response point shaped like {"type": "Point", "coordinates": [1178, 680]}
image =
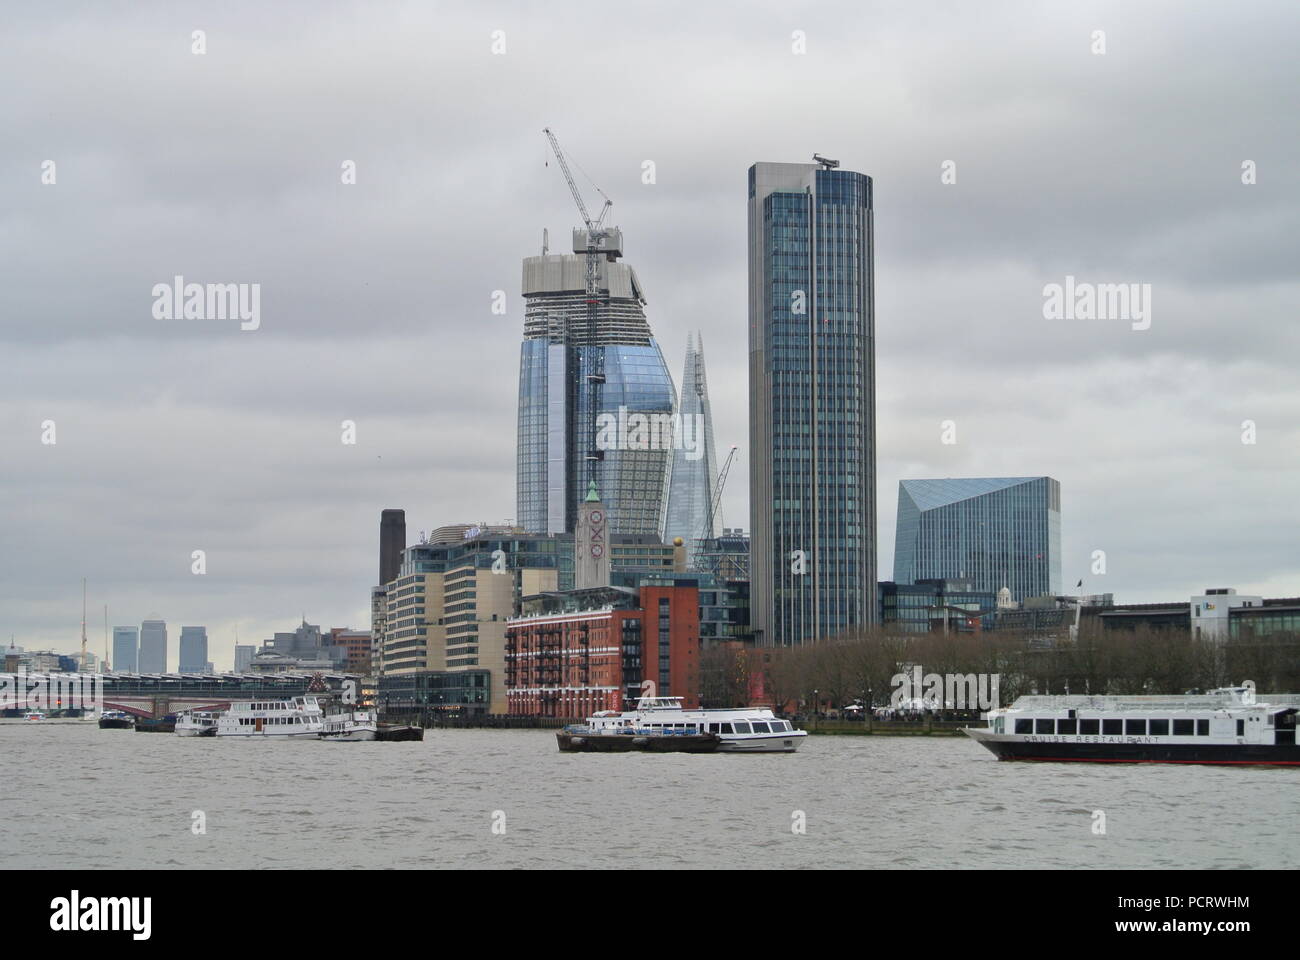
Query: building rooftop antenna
{"type": "Point", "coordinates": [828, 164]}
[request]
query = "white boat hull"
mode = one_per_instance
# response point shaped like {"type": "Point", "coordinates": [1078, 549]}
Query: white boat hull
{"type": "Point", "coordinates": [350, 735]}
{"type": "Point", "coordinates": [774, 743]}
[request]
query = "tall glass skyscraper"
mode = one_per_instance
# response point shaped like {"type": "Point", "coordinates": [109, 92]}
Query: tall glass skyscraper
{"type": "Point", "coordinates": [994, 531]}
{"type": "Point", "coordinates": [152, 657]}
{"type": "Point", "coordinates": [194, 650]}
{"type": "Point", "coordinates": [695, 468]}
{"type": "Point", "coordinates": [126, 649]}
{"type": "Point", "coordinates": [812, 402]}
{"type": "Point", "coordinates": [563, 365]}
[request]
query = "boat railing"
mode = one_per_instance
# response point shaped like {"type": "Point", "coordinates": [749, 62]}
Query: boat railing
{"type": "Point", "coordinates": [580, 729]}
{"type": "Point", "coordinates": [1118, 704]}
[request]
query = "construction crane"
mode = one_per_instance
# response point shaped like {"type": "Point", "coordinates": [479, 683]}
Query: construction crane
{"type": "Point", "coordinates": [594, 241]}
{"type": "Point", "coordinates": [707, 532]}
{"type": "Point", "coordinates": [703, 559]}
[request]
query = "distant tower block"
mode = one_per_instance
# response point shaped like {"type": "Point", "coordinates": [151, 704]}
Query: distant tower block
{"type": "Point", "coordinates": [392, 541]}
{"type": "Point", "coordinates": [591, 543]}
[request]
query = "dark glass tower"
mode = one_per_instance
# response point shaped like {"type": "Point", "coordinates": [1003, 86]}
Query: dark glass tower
{"type": "Point", "coordinates": [812, 402]}
{"type": "Point", "coordinates": [392, 541]}
{"type": "Point", "coordinates": [561, 356]}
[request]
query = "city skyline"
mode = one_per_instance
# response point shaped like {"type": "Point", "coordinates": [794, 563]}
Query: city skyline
{"type": "Point", "coordinates": [182, 436]}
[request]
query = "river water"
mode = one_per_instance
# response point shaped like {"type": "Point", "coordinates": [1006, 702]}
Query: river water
{"type": "Point", "coordinates": [75, 796]}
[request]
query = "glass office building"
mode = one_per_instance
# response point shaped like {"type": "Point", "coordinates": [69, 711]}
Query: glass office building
{"type": "Point", "coordinates": [992, 531]}
{"type": "Point", "coordinates": [194, 650]}
{"type": "Point", "coordinates": [812, 402]}
{"type": "Point", "coordinates": [126, 649]}
{"type": "Point", "coordinates": [695, 469]}
{"type": "Point", "coordinates": [565, 363]}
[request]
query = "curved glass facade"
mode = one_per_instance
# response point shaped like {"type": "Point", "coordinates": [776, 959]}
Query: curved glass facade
{"type": "Point", "coordinates": [557, 420]}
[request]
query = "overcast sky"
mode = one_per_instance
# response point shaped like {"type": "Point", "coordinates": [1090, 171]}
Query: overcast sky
{"type": "Point", "coordinates": [182, 435]}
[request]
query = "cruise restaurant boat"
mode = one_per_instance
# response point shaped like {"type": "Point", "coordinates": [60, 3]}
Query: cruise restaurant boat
{"type": "Point", "coordinates": [197, 723]}
{"type": "Point", "coordinates": [295, 717]}
{"type": "Point", "coordinates": [740, 729]}
{"type": "Point", "coordinates": [1225, 726]}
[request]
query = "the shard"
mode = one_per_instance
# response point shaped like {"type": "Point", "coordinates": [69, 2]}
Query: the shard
{"type": "Point", "coordinates": [695, 468]}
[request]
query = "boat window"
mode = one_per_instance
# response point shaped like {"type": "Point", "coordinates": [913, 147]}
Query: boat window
{"type": "Point", "coordinates": [1159, 728]}
{"type": "Point", "coordinates": [726, 728]}
{"type": "Point", "coordinates": [761, 727]}
{"type": "Point", "coordinates": [713, 728]}
{"type": "Point", "coordinates": [1184, 728]}
{"type": "Point", "coordinates": [1202, 728]}
{"type": "Point", "coordinates": [1024, 726]}
{"type": "Point", "coordinates": [1112, 727]}
{"type": "Point", "coordinates": [1135, 727]}
{"type": "Point", "coordinates": [780, 726]}
{"type": "Point", "coordinates": [742, 728]}
{"type": "Point", "coordinates": [1044, 726]}
{"type": "Point", "coordinates": [1067, 726]}
{"type": "Point", "coordinates": [1241, 728]}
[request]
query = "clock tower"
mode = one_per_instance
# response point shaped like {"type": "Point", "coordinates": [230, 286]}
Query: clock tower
{"type": "Point", "coordinates": [591, 543]}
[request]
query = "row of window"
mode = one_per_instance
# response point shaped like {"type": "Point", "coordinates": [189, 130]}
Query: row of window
{"type": "Point", "coordinates": [1116, 727]}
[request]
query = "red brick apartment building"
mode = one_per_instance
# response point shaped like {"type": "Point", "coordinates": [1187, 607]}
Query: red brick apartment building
{"type": "Point", "coordinates": [573, 663]}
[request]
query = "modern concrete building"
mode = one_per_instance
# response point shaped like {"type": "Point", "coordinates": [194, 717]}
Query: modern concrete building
{"type": "Point", "coordinates": [244, 654]}
{"type": "Point", "coordinates": [446, 612]}
{"type": "Point", "coordinates": [356, 644]}
{"type": "Point", "coordinates": [993, 531]}
{"type": "Point", "coordinates": [812, 449]}
{"type": "Point", "coordinates": [695, 467]}
{"type": "Point", "coordinates": [126, 649]}
{"type": "Point", "coordinates": [447, 609]}
{"type": "Point", "coordinates": [193, 650]}
{"type": "Point", "coordinates": [153, 647]}
{"type": "Point", "coordinates": [305, 643]}
{"type": "Point", "coordinates": [595, 400]}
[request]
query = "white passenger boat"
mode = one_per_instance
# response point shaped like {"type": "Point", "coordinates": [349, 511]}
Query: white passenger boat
{"type": "Point", "coordinates": [33, 716]}
{"type": "Point", "coordinates": [1227, 726]}
{"type": "Point", "coordinates": [742, 729]}
{"type": "Point", "coordinates": [197, 723]}
{"type": "Point", "coordinates": [350, 725]}
{"type": "Point", "coordinates": [296, 717]}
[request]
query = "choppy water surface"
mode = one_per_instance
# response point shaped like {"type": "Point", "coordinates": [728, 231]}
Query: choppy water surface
{"type": "Point", "coordinates": [73, 795]}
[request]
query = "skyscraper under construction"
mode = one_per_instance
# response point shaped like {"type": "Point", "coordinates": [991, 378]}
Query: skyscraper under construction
{"type": "Point", "coordinates": [575, 374]}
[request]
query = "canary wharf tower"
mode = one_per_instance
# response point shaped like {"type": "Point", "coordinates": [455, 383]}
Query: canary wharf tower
{"type": "Point", "coordinates": [812, 487]}
{"type": "Point", "coordinates": [571, 372]}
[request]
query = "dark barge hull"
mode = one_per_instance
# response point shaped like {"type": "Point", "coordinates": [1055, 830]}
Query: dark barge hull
{"type": "Point", "coordinates": [395, 733]}
{"type": "Point", "coordinates": [113, 724]}
{"type": "Point", "coordinates": [1225, 754]}
{"type": "Point", "coordinates": [627, 743]}
{"type": "Point", "coordinates": [155, 726]}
